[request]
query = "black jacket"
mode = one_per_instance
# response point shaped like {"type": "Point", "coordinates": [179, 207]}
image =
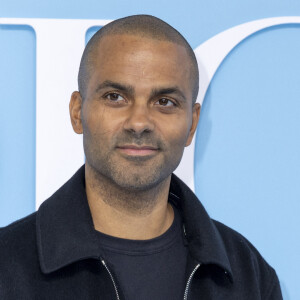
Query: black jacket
{"type": "Point", "coordinates": [54, 254]}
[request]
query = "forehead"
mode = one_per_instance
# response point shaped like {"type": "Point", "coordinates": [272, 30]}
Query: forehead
{"type": "Point", "coordinates": [141, 57]}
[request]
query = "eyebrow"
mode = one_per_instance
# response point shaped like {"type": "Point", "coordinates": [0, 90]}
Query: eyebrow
{"type": "Point", "coordinates": [118, 86]}
{"type": "Point", "coordinates": [165, 91]}
{"type": "Point", "coordinates": [130, 89]}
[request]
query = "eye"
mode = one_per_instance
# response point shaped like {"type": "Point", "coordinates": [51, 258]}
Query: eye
{"type": "Point", "coordinates": [115, 97]}
{"type": "Point", "coordinates": [165, 102]}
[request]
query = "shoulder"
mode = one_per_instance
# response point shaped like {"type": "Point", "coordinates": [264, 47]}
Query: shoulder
{"type": "Point", "coordinates": [17, 229]}
{"type": "Point", "coordinates": [247, 262]}
{"type": "Point", "coordinates": [19, 262]}
{"type": "Point", "coordinates": [236, 243]}
{"type": "Point", "coordinates": [17, 241]}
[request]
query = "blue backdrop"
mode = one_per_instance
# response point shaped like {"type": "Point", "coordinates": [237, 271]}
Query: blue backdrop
{"type": "Point", "coordinates": [247, 162]}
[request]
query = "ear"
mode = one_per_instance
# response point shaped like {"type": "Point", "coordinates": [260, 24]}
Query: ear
{"type": "Point", "coordinates": [195, 119]}
{"type": "Point", "coordinates": [75, 107]}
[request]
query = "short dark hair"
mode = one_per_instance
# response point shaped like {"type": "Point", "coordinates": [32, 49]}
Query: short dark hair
{"type": "Point", "coordinates": [143, 26]}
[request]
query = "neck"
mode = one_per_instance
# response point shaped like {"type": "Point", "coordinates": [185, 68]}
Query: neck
{"type": "Point", "coordinates": [128, 214]}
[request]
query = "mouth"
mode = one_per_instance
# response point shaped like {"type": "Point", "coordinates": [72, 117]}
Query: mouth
{"type": "Point", "coordinates": [136, 150]}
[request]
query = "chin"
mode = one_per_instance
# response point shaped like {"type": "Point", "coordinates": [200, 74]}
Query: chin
{"type": "Point", "coordinates": [138, 182]}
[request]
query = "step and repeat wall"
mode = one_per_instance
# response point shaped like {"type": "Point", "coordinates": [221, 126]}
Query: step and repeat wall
{"type": "Point", "coordinates": [244, 164]}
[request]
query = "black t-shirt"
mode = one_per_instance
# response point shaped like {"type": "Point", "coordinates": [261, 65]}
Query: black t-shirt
{"type": "Point", "coordinates": [148, 269]}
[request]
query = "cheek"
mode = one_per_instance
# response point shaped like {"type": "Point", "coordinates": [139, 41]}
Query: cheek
{"type": "Point", "coordinates": [176, 134]}
{"type": "Point", "coordinates": [99, 122]}
{"type": "Point", "coordinates": [181, 139]}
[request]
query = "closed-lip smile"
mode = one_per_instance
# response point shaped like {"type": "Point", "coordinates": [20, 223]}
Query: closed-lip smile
{"type": "Point", "coordinates": [137, 150]}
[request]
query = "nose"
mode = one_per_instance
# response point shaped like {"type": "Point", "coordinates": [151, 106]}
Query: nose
{"type": "Point", "coordinates": [139, 119]}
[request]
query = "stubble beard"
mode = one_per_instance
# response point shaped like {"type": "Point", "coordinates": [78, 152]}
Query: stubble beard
{"type": "Point", "coordinates": [135, 174]}
{"type": "Point", "coordinates": [131, 183]}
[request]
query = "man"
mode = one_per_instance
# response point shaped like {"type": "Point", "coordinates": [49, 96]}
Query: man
{"type": "Point", "coordinates": [124, 227]}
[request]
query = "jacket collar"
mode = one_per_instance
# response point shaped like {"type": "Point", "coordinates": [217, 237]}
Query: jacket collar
{"type": "Point", "coordinates": [65, 230]}
{"type": "Point", "coordinates": [204, 240]}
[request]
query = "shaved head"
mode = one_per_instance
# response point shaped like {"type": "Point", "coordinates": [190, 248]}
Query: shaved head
{"type": "Point", "coordinates": [144, 26]}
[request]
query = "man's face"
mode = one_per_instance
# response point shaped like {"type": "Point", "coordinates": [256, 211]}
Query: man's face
{"type": "Point", "coordinates": [137, 115]}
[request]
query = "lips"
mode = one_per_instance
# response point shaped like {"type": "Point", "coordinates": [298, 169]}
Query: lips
{"type": "Point", "coordinates": [136, 150]}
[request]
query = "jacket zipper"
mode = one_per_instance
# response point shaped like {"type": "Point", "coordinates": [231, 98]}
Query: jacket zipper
{"type": "Point", "coordinates": [189, 282]}
{"type": "Point", "coordinates": [186, 288]}
{"type": "Point", "coordinates": [111, 277]}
